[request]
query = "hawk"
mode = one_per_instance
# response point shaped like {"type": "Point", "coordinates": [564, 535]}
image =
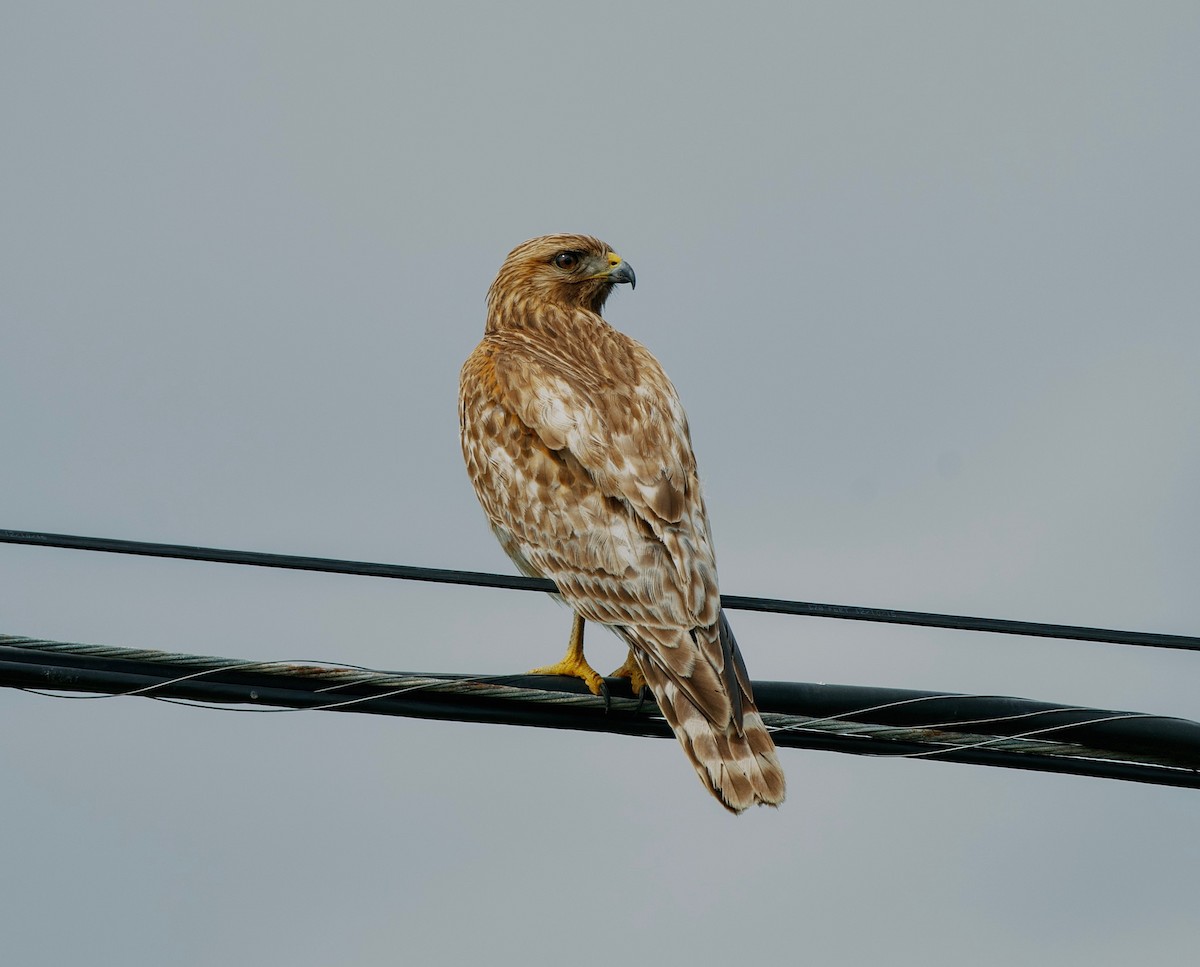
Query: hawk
{"type": "Point", "coordinates": [579, 451]}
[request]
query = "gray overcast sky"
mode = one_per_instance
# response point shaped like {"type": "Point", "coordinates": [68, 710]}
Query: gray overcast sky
{"type": "Point", "coordinates": [926, 278]}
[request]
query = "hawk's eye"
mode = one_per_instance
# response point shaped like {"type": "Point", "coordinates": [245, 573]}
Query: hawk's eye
{"type": "Point", "coordinates": [566, 260]}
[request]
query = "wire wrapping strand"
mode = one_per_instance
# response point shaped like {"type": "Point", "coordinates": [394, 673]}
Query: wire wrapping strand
{"type": "Point", "coordinates": [512, 582]}
{"type": "Point", "coordinates": [855, 719]}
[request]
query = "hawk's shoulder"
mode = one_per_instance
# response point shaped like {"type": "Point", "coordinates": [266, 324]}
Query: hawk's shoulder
{"type": "Point", "coordinates": [601, 396]}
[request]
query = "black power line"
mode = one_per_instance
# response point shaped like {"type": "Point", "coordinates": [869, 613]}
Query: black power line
{"type": "Point", "coordinates": [984, 730]}
{"type": "Point", "coordinates": [482, 579]}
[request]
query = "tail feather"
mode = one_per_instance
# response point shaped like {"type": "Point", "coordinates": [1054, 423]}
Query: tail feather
{"type": "Point", "coordinates": [738, 765]}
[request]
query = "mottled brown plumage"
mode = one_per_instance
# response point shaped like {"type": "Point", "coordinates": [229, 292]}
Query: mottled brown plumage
{"type": "Point", "coordinates": [579, 451]}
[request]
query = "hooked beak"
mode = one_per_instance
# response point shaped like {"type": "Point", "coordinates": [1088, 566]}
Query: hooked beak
{"type": "Point", "coordinates": [621, 271]}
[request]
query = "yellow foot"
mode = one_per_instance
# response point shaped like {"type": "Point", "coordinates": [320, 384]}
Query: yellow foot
{"type": "Point", "coordinates": [630, 670]}
{"type": "Point", "coordinates": [575, 668]}
{"type": "Point", "coordinates": [574, 665]}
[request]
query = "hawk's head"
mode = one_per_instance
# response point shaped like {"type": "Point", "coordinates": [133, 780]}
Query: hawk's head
{"type": "Point", "coordinates": [574, 271]}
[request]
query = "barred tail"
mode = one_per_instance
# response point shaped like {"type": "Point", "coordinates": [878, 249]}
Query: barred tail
{"type": "Point", "coordinates": [738, 765]}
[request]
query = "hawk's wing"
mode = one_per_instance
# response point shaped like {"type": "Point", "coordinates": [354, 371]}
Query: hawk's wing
{"type": "Point", "coordinates": [585, 467]}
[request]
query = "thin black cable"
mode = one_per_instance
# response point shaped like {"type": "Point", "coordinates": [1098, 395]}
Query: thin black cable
{"type": "Point", "coordinates": [516, 583]}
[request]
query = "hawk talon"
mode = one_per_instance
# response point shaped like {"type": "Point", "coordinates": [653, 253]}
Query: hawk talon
{"type": "Point", "coordinates": [574, 665]}
{"type": "Point", "coordinates": [581, 670]}
{"type": "Point", "coordinates": [630, 670]}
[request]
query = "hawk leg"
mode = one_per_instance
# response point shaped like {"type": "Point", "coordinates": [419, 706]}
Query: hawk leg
{"type": "Point", "coordinates": [630, 670]}
{"type": "Point", "coordinates": [574, 665]}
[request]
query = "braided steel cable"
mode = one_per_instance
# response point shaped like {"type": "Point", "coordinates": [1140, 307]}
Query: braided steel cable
{"type": "Point", "coordinates": [1023, 734]}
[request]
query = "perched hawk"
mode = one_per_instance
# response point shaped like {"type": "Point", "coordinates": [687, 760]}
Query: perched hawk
{"type": "Point", "coordinates": [579, 451]}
